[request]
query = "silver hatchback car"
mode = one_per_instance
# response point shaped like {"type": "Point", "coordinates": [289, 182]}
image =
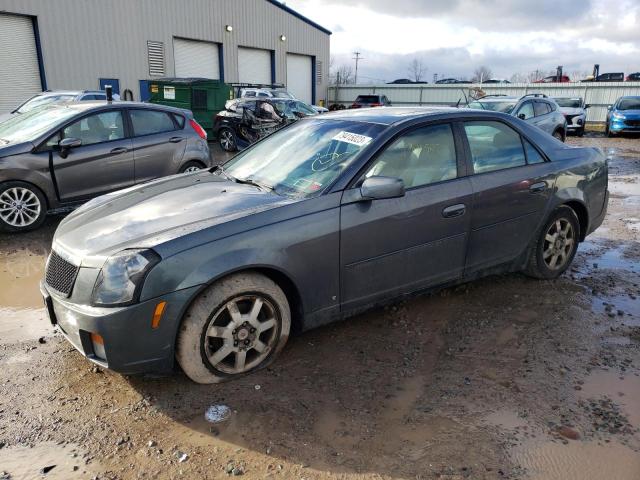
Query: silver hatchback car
{"type": "Point", "coordinates": [535, 108]}
{"type": "Point", "coordinates": [58, 156]}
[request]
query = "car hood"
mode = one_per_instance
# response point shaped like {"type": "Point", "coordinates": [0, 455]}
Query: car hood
{"type": "Point", "coordinates": [14, 148]}
{"type": "Point", "coordinates": [156, 212]}
{"type": "Point", "coordinates": [5, 116]}
{"type": "Point", "coordinates": [571, 111]}
{"type": "Point", "coordinates": [630, 114]}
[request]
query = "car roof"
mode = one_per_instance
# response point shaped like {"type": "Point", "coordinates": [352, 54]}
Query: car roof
{"type": "Point", "coordinates": [392, 115]}
{"type": "Point", "coordinates": [631, 96]}
{"type": "Point", "coordinates": [497, 99]}
{"type": "Point", "coordinates": [83, 106]}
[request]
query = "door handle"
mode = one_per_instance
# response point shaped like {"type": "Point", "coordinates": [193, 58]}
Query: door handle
{"type": "Point", "coordinates": [538, 187]}
{"type": "Point", "coordinates": [119, 150]}
{"type": "Point", "coordinates": [454, 210]}
{"type": "Point", "coordinates": [176, 139]}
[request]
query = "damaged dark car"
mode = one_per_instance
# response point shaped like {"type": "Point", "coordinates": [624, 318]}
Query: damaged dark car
{"type": "Point", "coordinates": [328, 217]}
{"type": "Point", "coordinates": [244, 121]}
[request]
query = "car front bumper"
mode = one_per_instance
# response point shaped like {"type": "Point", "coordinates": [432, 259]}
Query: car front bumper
{"type": "Point", "coordinates": [620, 125]}
{"type": "Point", "coordinates": [130, 343]}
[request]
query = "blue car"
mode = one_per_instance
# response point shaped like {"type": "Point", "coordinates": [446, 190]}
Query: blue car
{"type": "Point", "coordinates": [624, 116]}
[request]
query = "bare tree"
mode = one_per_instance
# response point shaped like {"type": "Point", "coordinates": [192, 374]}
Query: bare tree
{"type": "Point", "coordinates": [417, 70]}
{"type": "Point", "coordinates": [518, 78]}
{"type": "Point", "coordinates": [481, 74]}
{"type": "Point", "coordinates": [344, 75]}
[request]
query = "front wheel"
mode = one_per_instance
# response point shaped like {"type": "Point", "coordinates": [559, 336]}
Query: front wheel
{"type": "Point", "coordinates": [580, 132]}
{"type": "Point", "coordinates": [237, 325]}
{"type": "Point", "coordinates": [227, 139]}
{"type": "Point", "coordinates": [191, 166]}
{"type": "Point", "coordinates": [555, 246]}
{"type": "Point", "coordinates": [22, 207]}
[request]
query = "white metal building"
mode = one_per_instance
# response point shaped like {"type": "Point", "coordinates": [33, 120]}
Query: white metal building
{"type": "Point", "coordinates": [86, 44]}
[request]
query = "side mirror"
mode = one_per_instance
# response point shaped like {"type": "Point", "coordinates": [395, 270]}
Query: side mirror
{"type": "Point", "coordinates": [377, 188]}
{"type": "Point", "coordinates": [522, 116]}
{"type": "Point", "coordinates": [588, 105]}
{"type": "Point", "coordinates": [610, 107]}
{"type": "Point", "coordinates": [67, 144]}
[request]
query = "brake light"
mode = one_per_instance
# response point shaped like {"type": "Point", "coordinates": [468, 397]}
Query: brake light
{"type": "Point", "coordinates": [375, 105]}
{"type": "Point", "coordinates": [198, 129]}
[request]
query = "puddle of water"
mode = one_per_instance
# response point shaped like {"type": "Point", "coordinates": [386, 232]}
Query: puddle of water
{"type": "Point", "coordinates": [23, 324]}
{"type": "Point", "coordinates": [26, 463]}
{"type": "Point", "coordinates": [20, 275]}
{"type": "Point", "coordinates": [579, 460]}
{"type": "Point", "coordinates": [623, 390]}
{"type": "Point", "coordinates": [632, 200]}
{"type": "Point", "coordinates": [624, 188]}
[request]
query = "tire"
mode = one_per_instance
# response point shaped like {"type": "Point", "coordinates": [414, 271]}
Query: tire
{"type": "Point", "coordinates": [191, 166]}
{"type": "Point", "coordinates": [580, 132]}
{"type": "Point", "coordinates": [227, 140]}
{"type": "Point", "coordinates": [558, 135]}
{"type": "Point", "coordinates": [541, 263]}
{"type": "Point", "coordinates": [221, 319]}
{"type": "Point", "coordinates": [23, 207]}
{"type": "Point", "coordinates": [608, 131]}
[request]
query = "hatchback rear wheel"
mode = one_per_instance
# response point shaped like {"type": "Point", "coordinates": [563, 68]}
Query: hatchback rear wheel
{"type": "Point", "coordinates": [556, 245]}
{"type": "Point", "coordinates": [22, 207]}
{"type": "Point", "coordinates": [558, 135]}
{"type": "Point", "coordinates": [234, 327]}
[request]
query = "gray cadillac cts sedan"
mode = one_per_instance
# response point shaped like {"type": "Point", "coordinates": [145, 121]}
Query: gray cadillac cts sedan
{"type": "Point", "coordinates": [324, 218]}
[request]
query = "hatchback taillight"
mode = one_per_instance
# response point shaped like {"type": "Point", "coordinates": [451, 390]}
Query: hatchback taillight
{"type": "Point", "coordinates": [375, 105]}
{"type": "Point", "coordinates": [198, 129]}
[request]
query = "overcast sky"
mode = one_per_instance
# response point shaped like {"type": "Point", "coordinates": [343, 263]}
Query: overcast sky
{"type": "Point", "coordinates": [453, 37]}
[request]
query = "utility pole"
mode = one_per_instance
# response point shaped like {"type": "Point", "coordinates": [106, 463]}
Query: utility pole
{"type": "Point", "coordinates": [357, 58]}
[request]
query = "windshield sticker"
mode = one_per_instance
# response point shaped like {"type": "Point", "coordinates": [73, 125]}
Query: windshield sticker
{"type": "Point", "coordinates": [352, 138]}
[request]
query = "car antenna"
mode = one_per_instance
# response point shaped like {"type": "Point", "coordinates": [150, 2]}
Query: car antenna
{"type": "Point", "coordinates": [109, 91]}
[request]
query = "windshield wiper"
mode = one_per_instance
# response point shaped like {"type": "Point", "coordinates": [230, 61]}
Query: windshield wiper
{"type": "Point", "coordinates": [220, 168]}
{"type": "Point", "coordinates": [251, 181]}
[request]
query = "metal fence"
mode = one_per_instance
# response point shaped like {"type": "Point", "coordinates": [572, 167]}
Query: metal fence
{"type": "Point", "coordinates": [598, 95]}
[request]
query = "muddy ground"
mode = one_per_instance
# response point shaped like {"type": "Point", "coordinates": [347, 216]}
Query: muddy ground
{"type": "Point", "coordinates": [502, 378]}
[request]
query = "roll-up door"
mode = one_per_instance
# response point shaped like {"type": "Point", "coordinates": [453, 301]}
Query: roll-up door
{"type": "Point", "coordinates": [299, 76]}
{"type": "Point", "coordinates": [196, 59]}
{"type": "Point", "coordinates": [19, 72]}
{"type": "Point", "coordinates": [254, 65]}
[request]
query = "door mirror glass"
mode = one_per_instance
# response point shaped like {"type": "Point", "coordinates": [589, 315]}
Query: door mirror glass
{"type": "Point", "coordinates": [67, 144]}
{"type": "Point", "coordinates": [376, 188]}
{"type": "Point", "coordinates": [522, 116]}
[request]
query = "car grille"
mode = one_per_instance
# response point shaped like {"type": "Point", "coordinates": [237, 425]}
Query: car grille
{"type": "Point", "coordinates": [570, 118]}
{"type": "Point", "coordinates": [633, 123]}
{"type": "Point", "coordinates": [60, 275]}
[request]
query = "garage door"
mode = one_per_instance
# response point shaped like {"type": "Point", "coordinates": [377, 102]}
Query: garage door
{"type": "Point", "coordinates": [254, 65]}
{"type": "Point", "coordinates": [19, 73]}
{"type": "Point", "coordinates": [299, 76]}
{"type": "Point", "coordinates": [196, 59]}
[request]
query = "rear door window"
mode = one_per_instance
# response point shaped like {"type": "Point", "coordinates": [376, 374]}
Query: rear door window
{"type": "Point", "coordinates": [542, 108]}
{"type": "Point", "coordinates": [149, 122]}
{"type": "Point", "coordinates": [533, 156]}
{"type": "Point", "coordinates": [494, 146]}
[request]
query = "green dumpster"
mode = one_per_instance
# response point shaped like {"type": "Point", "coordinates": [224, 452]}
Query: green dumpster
{"type": "Point", "coordinates": [203, 96]}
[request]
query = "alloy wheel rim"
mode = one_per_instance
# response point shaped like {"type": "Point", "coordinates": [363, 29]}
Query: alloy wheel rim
{"type": "Point", "coordinates": [192, 169]}
{"type": "Point", "coordinates": [19, 207]}
{"type": "Point", "coordinates": [241, 334]}
{"type": "Point", "coordinates": [558, 244]}
{"type": "Point", "coordinates": [226, 140]}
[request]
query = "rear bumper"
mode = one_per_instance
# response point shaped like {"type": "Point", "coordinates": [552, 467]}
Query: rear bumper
{"type": "Point", "coordinates": [131, 345]}
{"type": "Point", "coordinates": [597, 221]}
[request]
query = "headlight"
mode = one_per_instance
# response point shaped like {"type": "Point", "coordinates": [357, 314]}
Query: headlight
{"type": "Point", "coordinates": [120, 280]}
{"type": "Point", "coordinates": [617, 115]}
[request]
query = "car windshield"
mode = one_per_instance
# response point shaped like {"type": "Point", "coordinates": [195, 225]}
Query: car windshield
{"type": "Point", "coordinates": [629, 104]}
{"type": "Point", "coordinates": [368, 99]}
{"type": "Point", "coordinates": [569, 102]}
{"type": "Point", "coordinates": [304, 159]}
{"type": "Point", "coordinates": [27, 127]}
{"type": "Point", "coordinates": [504, 107]}
{"type": "Point", "coordinates": [41, 100]}
{"type": "Point", "coordinates": [281, 94]}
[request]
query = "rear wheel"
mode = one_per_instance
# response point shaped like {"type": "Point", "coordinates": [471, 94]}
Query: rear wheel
{"type": "Point", "coordinates": [234, 327]}
{"type": "Point", "coordinates": [191, 166]}
{"type": "Point", "coordinates": [227, 139]}
{"type": "Point", "coordinates": [22, 207]}
{"type": "Point", "coordinates": [558, 135]}
{"type": "Point", "coordinates": [556, 245]}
